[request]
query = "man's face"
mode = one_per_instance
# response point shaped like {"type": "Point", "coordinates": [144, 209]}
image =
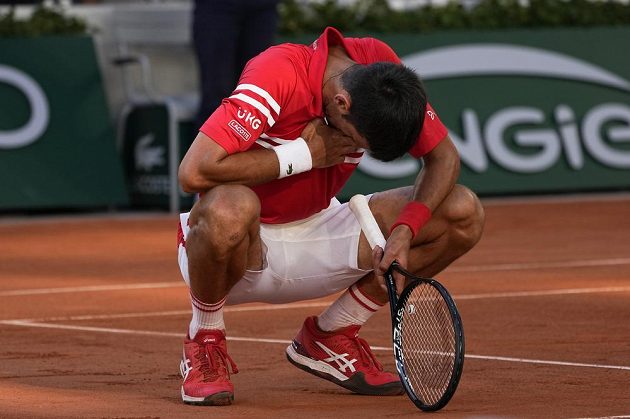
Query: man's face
{"type": "Point", "coordinates": [335, 119]}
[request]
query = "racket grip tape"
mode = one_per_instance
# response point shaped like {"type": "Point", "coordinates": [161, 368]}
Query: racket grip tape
{"type": "Point", "coordinates": [359, 207]}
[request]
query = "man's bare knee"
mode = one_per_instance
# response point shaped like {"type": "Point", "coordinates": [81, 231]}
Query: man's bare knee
{"type": "Point", "coordinates": [465, 216]}
{"type": "Point", "coordinates": [225, 215]}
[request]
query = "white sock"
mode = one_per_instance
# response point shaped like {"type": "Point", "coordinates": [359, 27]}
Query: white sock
{"type": "Point", "coordinates": [205, 316]}
{"type": "Point", "coordinates": [353, 307]}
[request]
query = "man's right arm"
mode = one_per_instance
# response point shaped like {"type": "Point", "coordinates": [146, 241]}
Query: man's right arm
{"type": "Point", "coordinates": [207, 164]}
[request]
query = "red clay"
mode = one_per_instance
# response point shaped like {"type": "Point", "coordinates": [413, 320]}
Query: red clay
{"type": "Point", "coordinates": [55, 366]}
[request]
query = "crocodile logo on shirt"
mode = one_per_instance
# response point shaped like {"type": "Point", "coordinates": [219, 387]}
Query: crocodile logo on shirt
{"type": "Point", "coordinates": [290, 169]}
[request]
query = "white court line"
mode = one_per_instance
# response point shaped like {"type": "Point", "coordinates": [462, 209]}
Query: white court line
{"type": "Point", "coordinates": [265, 307]}
{"type": "Point", "coordinates": [566, 291]}
{"type": "Point", "coordinates": [545, 362]}
{"type": "Point", "coordinates": [228, 309]}
{"type": "Point", "coordinates": [129, 331]}
{"type": "Point", "coordinates": [11, 221]}
{"type": "Point", "coordinates": [93, 288]}
{"type": "Point", "coordinates": [456, 269]}
{"type": "Point", "coordinates": [607, 417]}
{"type": "Point", "coordinates": [541, 265]}
{"type": "Point", "coordinates": [286, 342]}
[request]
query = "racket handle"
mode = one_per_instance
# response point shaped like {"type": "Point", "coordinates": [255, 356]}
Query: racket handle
{"type": "Point", "coordinates": [359, 207]}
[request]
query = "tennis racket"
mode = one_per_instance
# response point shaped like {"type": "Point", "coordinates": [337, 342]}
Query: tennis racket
{"type": "Point", "coordinates": [427, 329]}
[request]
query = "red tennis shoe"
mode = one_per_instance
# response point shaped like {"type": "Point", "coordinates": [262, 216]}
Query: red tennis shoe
{"type": "Point", "coordinates": [205, 367]}
{"type": "Point", "coordinates": [343, 358]}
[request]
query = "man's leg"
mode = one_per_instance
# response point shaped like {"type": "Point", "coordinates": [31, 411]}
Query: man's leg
{"type": "Point", "coordinates": [328, 346]}
{"type": "Point", "coordinates": [223, 241]}
{"type": "Point", "coordinates": [455, 227]}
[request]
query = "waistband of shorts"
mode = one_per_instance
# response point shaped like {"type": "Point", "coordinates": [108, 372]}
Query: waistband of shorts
{"type": "Point", "coordinates": [334, 202]}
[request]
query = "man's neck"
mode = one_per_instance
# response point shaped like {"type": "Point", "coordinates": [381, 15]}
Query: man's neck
{"type": "Point", "coordinates": [338, 62]}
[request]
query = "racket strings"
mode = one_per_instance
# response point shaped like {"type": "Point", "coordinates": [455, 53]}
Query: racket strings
{"type": "Point", "coordinates": [428, 343]}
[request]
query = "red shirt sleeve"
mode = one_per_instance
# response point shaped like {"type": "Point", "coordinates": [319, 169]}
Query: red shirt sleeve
{"type": "Point", "coordinates": [255, 105]}
{"type": "Point", "coordinates": [433, 131]}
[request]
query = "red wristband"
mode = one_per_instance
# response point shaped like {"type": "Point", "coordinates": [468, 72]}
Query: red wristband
{"type": "Point", "coordinates": [414, 215]}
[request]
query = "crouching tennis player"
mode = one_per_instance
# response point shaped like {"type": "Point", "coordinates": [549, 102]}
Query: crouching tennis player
{"type": "Point", "coordinates": [267, 227]}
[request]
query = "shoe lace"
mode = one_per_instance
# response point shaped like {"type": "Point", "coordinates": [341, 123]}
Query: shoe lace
{"type": "Point", "coordinates": [365, 352]}
{"type": "Point", "coordinates": [209, 361]}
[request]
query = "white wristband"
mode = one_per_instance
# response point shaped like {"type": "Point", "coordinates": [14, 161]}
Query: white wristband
{"type": "Point", "coordinates": [294, 157]}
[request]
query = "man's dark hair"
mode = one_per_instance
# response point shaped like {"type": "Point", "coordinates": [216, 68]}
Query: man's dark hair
{"type": "Point", "coordinates": [388, 107]}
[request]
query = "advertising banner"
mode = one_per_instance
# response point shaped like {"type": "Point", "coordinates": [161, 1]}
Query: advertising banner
{"type": "Point", "coordinates": [145, 155]}
{"type": "Point", "coordinates": [57, 146]}
{"type": "Point", "coordinates": [531, 111]}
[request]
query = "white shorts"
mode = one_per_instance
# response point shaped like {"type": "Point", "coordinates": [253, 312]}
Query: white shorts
{"type": "Point", "coordinates": [302, 260]}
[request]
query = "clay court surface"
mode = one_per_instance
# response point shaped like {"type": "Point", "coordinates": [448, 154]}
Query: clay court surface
{"type": "Point", "coordinates": [93, 312]}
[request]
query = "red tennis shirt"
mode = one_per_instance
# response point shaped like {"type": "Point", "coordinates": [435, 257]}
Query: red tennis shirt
{"type": "Point", "coordinates": [278, 93]}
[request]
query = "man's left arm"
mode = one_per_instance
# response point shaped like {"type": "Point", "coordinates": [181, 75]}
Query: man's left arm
{"type": "Point", "coordinates": [433, 184]}
{"type": "Point", "coordinates": [438, 176]}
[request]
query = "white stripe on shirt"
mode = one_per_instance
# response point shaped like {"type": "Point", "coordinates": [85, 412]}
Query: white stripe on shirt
{"type": "Point", "coordinates": [257, 105]}
{"type": "Point", "coordinates": [275, 139]}
{"type": "Point", "coordinates": [263, 143]}
{"type": "Point", "coordinates": [352, 160]}
{"type": "Point", "coordinates": [261, 92]}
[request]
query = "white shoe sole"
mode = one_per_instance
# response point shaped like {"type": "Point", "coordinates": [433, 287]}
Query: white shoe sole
{"type": "Point", "coordinates": [313, 364]}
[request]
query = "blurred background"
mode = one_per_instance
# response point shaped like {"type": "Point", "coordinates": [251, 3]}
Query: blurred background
{"type": "Point", "coordinates": [99, 100]}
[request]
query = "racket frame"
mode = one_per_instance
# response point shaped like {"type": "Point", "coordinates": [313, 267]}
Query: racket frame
{"type": "Point", "coordinates": [397, 307]}
{"type": "Point", "coordinates": [360, 208]}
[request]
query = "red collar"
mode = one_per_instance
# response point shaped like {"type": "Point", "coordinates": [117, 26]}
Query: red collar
{"type": "Point", "coordinates": [317, 66]}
